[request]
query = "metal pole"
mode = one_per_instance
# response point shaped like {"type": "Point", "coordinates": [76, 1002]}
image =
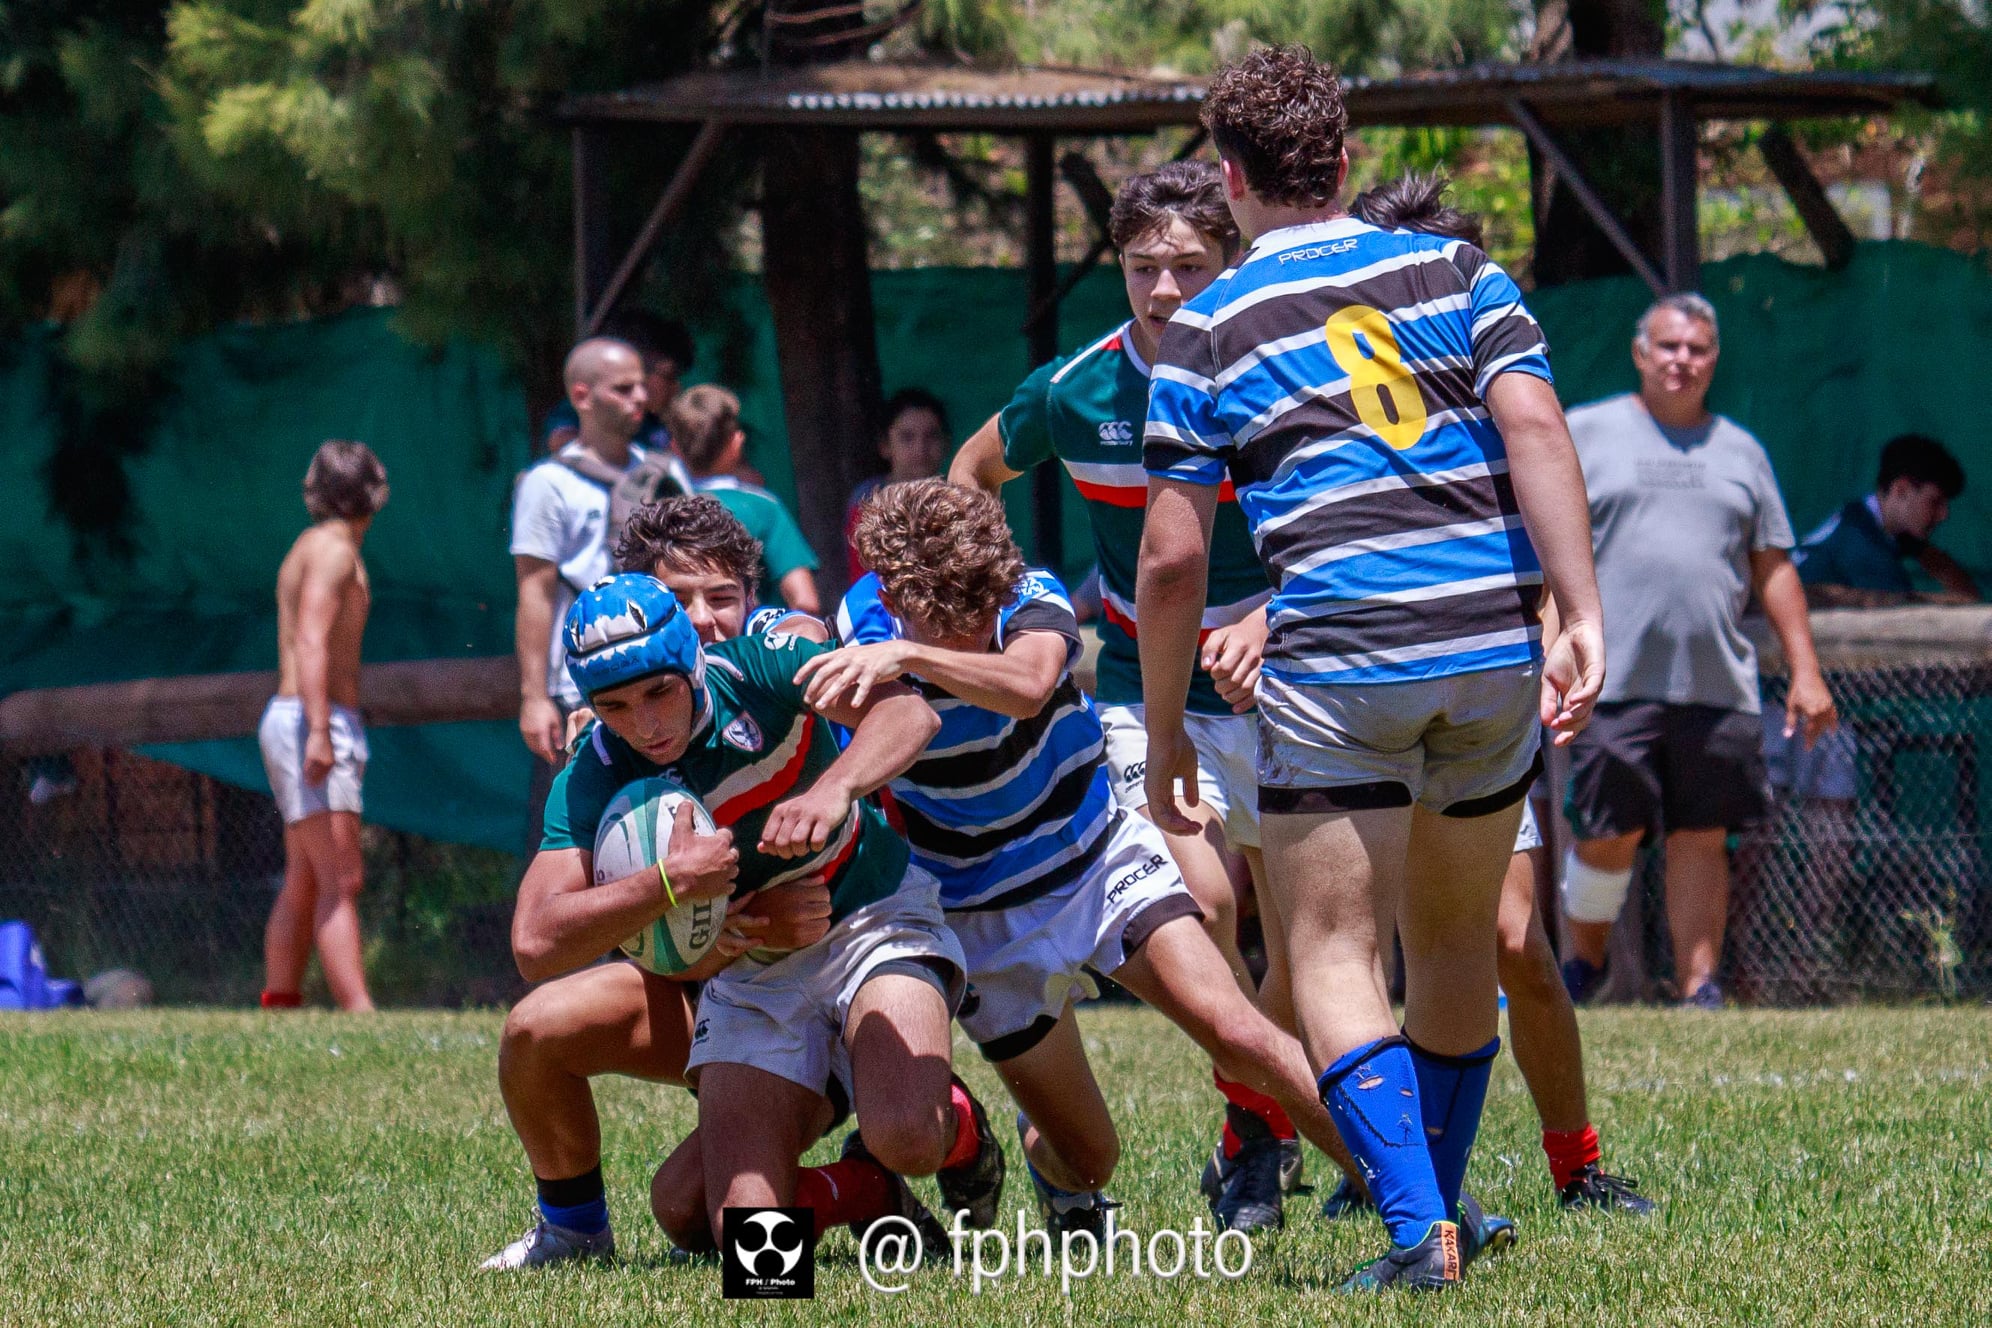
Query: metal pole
{"type": "Point", "coordinates": [1041, 258]}
{"type": "Point", "coordinates": [1679, 169]}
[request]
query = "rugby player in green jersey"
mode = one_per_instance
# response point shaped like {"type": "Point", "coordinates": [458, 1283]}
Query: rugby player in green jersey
{"type": "Point", "coordinates": [1174, 235]}
{"type": "Point", "coordinates": [617, 1019]}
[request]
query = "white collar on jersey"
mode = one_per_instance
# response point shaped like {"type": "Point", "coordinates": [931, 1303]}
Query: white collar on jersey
{"type": "Point", "coordinates": [1307, 232]}
{"type": "Point", "coordinates": [1134, 356]}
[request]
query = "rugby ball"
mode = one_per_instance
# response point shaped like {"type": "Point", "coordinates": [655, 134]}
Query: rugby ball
{"type": "Point", "coordinates": [635, 833]}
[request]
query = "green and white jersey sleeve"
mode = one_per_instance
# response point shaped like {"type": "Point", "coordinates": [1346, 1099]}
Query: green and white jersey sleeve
{"type": "Point", "coordinates": [756, 746]}
{"type": "Point", "coordinates": [1087, 410]}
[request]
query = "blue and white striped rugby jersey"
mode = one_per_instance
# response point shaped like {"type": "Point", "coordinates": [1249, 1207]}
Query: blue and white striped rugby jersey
{"type": "Point", "coordinates": [1338, 375]}
{"type": "Point", "coordinates": [1002, 810]}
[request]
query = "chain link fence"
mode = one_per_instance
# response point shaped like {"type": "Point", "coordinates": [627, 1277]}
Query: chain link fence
{"type": "Point", "coordinates": [1868, 880]}
{"type": "Point", "coordinates": [121, 862]}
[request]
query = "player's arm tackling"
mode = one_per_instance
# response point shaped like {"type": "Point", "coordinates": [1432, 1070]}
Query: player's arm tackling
{"type": "Point", "coordinates": [888, 733]}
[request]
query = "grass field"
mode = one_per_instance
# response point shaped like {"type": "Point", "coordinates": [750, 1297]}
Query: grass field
{"type": "Point", "coordinates": [196, 1168]}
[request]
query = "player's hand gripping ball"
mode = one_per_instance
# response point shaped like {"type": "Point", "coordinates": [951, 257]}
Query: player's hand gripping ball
{"type": "Point", "coordinates": [635, 836]}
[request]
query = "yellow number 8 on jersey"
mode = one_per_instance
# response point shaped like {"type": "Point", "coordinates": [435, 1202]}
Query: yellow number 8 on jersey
{"type": "Point", "coordinates": [1383, 390]}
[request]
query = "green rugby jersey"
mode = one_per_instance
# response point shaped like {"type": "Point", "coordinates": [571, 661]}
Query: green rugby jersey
{"type": "Point", "coordinates": [1087, 410]}
{"type": "Point", "coordinates": [757, 745]}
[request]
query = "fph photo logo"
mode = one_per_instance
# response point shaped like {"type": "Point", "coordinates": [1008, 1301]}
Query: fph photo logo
{"type": "Point", "coordinates": [767, 1254]}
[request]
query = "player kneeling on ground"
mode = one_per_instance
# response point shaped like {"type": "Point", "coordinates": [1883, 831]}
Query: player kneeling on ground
{"type": "Point", "coordinates": [1044, 881]}
{"type": "Point", "coordinates": [618, 1018]}
{"type": "Point", "coordinates": [738, 736]}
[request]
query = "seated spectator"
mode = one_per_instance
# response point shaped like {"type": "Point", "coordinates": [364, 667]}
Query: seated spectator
{"type": "Point", "coordinates": [705, 421]}
{"type": "Point", "coordinates": [915, 442]}
{"type": "Point", "coordinates": [1855, 558]}
{"type": "Point", "coordinates": [666, 350]}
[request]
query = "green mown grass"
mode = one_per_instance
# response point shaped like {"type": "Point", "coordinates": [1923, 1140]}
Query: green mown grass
{"type": "Point", "coordinates": [214, 1168]}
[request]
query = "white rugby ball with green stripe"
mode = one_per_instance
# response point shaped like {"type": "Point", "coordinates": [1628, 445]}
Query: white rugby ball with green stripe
{"type": "Point", "coordinates": [635, 834]}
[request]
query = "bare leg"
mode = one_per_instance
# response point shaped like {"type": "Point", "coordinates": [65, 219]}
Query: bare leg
{"type": "Point", "coordinates": [1201, 860]}
{"type": "Point", "coordinates": [901, 1056]}
{"type": "Point", "coordinates": [1542, 1025]}
{"type": "Point", "coordinates": [332, 842]}
{"type": "Point", "coordinates": [1276, 990]}
{"type": "Point", "coordinates": [1176, 971]}
{"type": "Point", "coordinates": [1335, 880]}
{"type": "Point", "coordinates": [1697, 903]}
{"type": "Point", "coordinates": [678, 1188]}
{"type": "Point", "coordinates": [1452, 899]}
{"type": "Point", "coordinates": [753, 1127]}
{"type": "Point", "coordinates": [610, 1019]}
{"type": "Point", "coordinates": [1588, 940]}
{"type": "Point", "coordinates": [678, 1197]}
{"type": "Point", "coordinates": [287, 936]}
{"type": "Point", "coordinates": [1071, 1139]}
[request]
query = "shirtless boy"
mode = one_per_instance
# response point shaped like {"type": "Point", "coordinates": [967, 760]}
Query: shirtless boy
{"type": "Point", "coordinates": [314, 747]}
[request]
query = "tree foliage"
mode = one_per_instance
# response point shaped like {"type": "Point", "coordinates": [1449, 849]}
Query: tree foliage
{"type": "Point", "coordinates": [1951, 39]}
{"type": "Point", "coordinates": [1193, 36]}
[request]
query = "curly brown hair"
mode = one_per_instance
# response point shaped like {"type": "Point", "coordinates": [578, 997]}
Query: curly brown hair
{"type": "Point", "coordinates": [1190, 190]}
{"type": "Point", "coordinates": [943, 554]}
{"type": "Point", "coordinates": [1278, 113]}
{"type": "Point", "coordinates": [688, 533]}
{"type": "Point", "coordinates": [1417, 202]}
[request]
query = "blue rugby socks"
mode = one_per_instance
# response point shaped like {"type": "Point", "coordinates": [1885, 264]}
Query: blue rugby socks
{"type": "Point", "coordinates": [577, 1203]}
{"type": "Point", "coordinates": [1372, 1094]}
{"type": "Point", "coordinates": [1451, 1091]}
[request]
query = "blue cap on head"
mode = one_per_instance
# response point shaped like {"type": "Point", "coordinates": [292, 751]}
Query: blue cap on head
{"type": "Point", "coordinates": [627, 627]}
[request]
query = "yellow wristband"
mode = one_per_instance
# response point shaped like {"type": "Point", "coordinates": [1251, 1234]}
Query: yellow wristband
{"type": "Point", "coordinates": [665, 881]}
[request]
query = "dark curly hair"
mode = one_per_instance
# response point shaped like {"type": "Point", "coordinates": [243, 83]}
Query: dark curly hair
{"type": "Point", "coordinates": [687, 533]}
{"type": "Point", "coordinates": [1191, 190]}
{"type": "Point", "coordinates": [345, 480]}
{"type": "Point", "coordinates": [1417, 202]}
{"type": "Point", "coordinates": [943, 553]}
{"type": "Point", "coordinates": [1278, 113]}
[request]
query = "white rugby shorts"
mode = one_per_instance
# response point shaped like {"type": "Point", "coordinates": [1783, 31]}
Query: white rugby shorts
{"type": "Point", "coordinates": [282, 734]}
{"type": "Point", "coordinates": [1227, 749]}
{"type": "Point", "coordinates": [1026, 961]}
{"type": "Point", "coordinates": [786, 1015]}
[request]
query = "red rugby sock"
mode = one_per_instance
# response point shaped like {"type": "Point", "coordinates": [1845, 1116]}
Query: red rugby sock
{"type": "Point", "coordinates": [854, 1190]}
{"type": "Point", "coordinates": [965, 1146]}
{"type": "Point", "coordinates": [1570, 1151]}
{"type": "Point", "coordinates": [282, 1000]}
{"type": "Point", "coordinates": [1251, 1100]}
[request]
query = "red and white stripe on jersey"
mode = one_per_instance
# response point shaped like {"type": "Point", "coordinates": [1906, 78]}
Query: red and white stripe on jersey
{"type": "Point", "coordinates": [766, 780]}
{"type": "Point", "coordinates": [1120, 612]}
{"type": "Point", "coordinates": [1111, 341]}
{"type": "Point", "coordinates": [1122, 484]}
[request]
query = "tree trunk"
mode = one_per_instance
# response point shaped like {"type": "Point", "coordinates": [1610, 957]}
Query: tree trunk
{"type": "Point", "coordinates": [1623, 163]}
{"type": "Point", "coordinates": [818, 284]}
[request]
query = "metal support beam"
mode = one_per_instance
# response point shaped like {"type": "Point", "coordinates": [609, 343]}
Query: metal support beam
{"type": "Point", "coordinates": [1041, 258]}
{"type": "Point", "coordinates": [591, 220]}
{"type": "Point", "coordinates": [1808, 198]}
{"type": "Point", "coordinates": [1680, 172]}
{"type": "Point", "coordinates": [669, 203]}
{"type": "Point", "coordinates": [1585, 193]}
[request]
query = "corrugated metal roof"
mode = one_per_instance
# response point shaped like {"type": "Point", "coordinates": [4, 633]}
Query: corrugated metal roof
{"type": "Point", "coordinates": [877, 95]}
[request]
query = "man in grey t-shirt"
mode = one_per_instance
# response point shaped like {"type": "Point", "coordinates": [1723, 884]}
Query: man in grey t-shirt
{"type": "Point", "coordinates": [1687, 523]}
